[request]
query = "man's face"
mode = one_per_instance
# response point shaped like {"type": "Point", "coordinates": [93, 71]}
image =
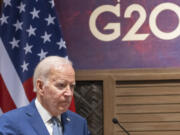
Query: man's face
{"type": "Point", "coordinates": [58, 91]}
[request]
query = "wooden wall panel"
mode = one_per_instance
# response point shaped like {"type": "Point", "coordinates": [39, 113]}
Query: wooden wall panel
{"type": "Point", "coordinates": [150, 126]}
{"type": "Point", "coordinates": [151, 133]}
{"type": "Point", "coordinates": [145, 101]}
{"type": "Point", "coordinates": [148, 117]}
{"type": "Point", "coordinates": [148, 106]}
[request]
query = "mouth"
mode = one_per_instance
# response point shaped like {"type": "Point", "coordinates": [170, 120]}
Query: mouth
{"type": "Point", "coordinates": [65, 103]}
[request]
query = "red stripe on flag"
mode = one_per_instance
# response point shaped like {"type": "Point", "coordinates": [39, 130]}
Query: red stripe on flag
{"type": "Point", "coordinates": [28, 86]}
{"type": "Point", "coordinates": [72, 106]}
{"type": "Point", "coordinates": [6, 102]}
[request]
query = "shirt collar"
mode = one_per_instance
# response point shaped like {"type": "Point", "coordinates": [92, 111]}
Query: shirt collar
{"type": "Point", "coordinates": [45, 115]}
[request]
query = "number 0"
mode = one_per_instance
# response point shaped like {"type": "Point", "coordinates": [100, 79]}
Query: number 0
{"type": "Point", "coordinates": [153, 18]}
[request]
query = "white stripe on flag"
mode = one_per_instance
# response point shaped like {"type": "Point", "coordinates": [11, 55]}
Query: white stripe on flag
{"type": "Point", "coordinates": [11, 78]}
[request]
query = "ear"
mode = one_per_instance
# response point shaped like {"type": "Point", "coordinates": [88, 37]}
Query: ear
{"type": "Point", "coordinates": [40, 86]}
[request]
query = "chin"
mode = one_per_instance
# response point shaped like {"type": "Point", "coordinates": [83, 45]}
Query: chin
{"type": "Point", "coordinates": [62, 110]}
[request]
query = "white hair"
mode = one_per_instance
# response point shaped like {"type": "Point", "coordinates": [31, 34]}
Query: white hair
{"type": "Point", "coordinates": [43, 68]}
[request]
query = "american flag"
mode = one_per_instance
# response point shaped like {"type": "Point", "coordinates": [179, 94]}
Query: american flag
{"type": "Point", "coordinates": [29, 32]}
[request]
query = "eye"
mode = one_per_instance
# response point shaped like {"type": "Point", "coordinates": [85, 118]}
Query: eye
{"type": "Point", "coordinates": [61, 86]}
{"type": "Point", "coordinates": [72, 86]}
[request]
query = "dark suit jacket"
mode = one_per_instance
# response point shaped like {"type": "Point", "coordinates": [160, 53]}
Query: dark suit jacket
{"type": "Point", "coordinates": [27, 121]}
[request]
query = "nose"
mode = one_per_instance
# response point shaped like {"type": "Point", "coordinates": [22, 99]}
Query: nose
{"type": "Point", "coordinates": [68, 91]}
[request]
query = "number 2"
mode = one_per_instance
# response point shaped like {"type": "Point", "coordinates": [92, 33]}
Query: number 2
{"type": "Point", "coordinates": [132, 35]}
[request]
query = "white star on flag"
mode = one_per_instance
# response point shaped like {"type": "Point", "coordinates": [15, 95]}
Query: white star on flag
{"type": "Point", "coordinates": [28, 48]}
{"type": "Point", "coordinates": [18, 25]}
{"type": "Point", "coordinates": [35, 13]}
{"type": "Point", "coordinates": [61, 44]}
{"type": "Point", "coordinates": [21, 7]}
{"type": "Point", "coordinates": [52, 3]}
{"type": "Point", "coordinates": [3, 19]}
{"type": "Point", "coordinates": [14, 43]}
{"type": "Point", "coordinates": [50, 20]}
{"type": "Point", "coordinates": [7, 2]}
{"type": "Point", "coordinates": [46, 37]}
{"type": "Point", "coordinates": [31, 31]}
{"type": "Point", "coordinates": [25, 66]}
{"type": "Point", "coordinates": [42, 54]}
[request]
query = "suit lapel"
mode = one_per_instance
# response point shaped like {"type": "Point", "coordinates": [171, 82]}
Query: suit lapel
{"type": "Point", "coordinates": [67, 124]}
{"type": "Point", "coordinates": [36, 120]}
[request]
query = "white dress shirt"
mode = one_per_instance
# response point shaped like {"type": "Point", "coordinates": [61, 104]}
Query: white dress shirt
{"type": "Point", "coordinates": [46, 116]}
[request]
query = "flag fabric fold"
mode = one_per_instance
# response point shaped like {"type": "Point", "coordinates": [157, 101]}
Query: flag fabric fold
{"type": "Point", "coordinates": [29, 32]}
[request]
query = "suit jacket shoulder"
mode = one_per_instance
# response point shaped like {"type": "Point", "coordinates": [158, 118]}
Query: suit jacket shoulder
{"type": "Point", "coordinates": [22, 121]}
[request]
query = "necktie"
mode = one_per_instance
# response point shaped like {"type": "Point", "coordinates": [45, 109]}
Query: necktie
{"type": "Point", "coordinates": [57, 129]}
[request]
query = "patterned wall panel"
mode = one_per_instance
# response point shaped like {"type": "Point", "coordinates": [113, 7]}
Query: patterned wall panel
{"type": "Point", "coordinates": [89, 104]}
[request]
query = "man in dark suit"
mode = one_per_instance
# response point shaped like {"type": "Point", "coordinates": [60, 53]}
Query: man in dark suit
{"type": "Point", "coordinates": [54, 81]}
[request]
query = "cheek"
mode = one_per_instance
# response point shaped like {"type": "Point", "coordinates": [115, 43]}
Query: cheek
{"type": "Point", "coordinates": [58, 96]}
{"type": "Point", "coordinates": [51, 95]}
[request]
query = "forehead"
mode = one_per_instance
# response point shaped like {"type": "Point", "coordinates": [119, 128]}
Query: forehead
{"type": "Point", "coordinates": [65, 72]}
